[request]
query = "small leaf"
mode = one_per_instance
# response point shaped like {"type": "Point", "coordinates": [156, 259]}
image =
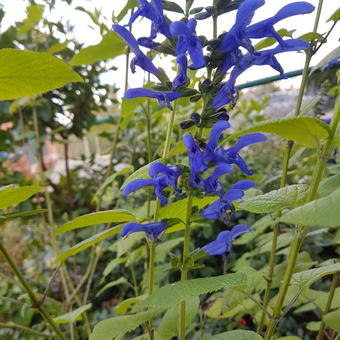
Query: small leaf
{"type": "Point", "coordinates": [7, 217]}
{"type": "Point", "coordinates": [73, 316]}
{"type": "Point", "coordinates": [112, 265]}
{"type": "Point", "coordinates": [236, 335]}
{"type": "Point", "coordinates": [287, 197]}
{"type": "Point", "coordinates": [55, 48]}
{"type": "Point", "coordinates": [12, 195]}
{"type": "Point", "coordinates": [94, 239]}
{"type": "Point", "coordinates": [312, 36]}
{"type": "Point", "coordinates": [271, 41]}
{"type": "Point", "coordinates": [306, 278]}
{"type": "Point", "coordinates": [129, 5]}
{"type": "Point", "coordinates": [34, 15]}
{"type": "Point", "coordinates": [172, 6]}
{"type": "Point", "coordinates": [110, 46]}
{"type": "Point", "coordinates": [303, 130]}
{"type": "Point", "coordinates": [27, 73]}
{"type": "Point", "coordinates": [125, 305]}
{"type": "Point", "coordinates": [335, 16]}
{"type": "Point", "coordinates": [100, 217]}
{"type": "Point", "coordinates": [332, 320]}
{"type": "Point", "coordinates": [323, 212]}
{"type": "Point", "coordinates": [117, 282]}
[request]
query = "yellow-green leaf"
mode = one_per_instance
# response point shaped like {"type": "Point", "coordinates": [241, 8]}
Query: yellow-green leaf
{"type": "Point", "coordinates": [332, 320]}
{"type": "Point", "coordinates": [73, 316]}
{"type": "Point", "coordinates": [238, 334]}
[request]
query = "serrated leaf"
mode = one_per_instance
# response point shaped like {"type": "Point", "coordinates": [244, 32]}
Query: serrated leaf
{"type": "Point", "coordinates": [141, 173]}
{"type": "Point", "coordinates": [306, 278]}
{"type": "Point", "coordinates": [335, 16]}
{"type": "Point", "coordinates": [99, 217]}
{"type": "Point", "coordinates": [171, 295]}
{"type": "Point", "coordinates": [94, 239]}
{"type": "Point", "coordinates": [8, 217]}
{"type": "Point", "coordinates": [323, 212]}
{"type": "Point", "coordinates": [12, 195]}
{"type": "Point", "coordinates": [168, 327]}
{"type": "Point", "coordinates": [27, 73]}
{"type": "Point", "coordinates": [238, 334]}
{"type": "Point", "coordinates": [303, 130]}
{"type": "Point", "coordinates": [332, 320]}
{"type": "Point", "coordinates": [110, 47]}
{"type": "Point", "coordinates": [287, 197]}
{"type": "Point", "coordinates": [73, 316]}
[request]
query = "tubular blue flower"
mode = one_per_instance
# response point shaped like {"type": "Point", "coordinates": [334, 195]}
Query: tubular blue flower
{"type": "Point", "coordinates": [212, 185]}
{"type": "Point", "coordinates": [147, 42]}
{"type": "Point", "coordinates": [194, 154]}
{"type": "Point", "coordinates": [265, 28]}
{"type": "Point", "coordinates": [222, 244]}
{"type": "Point", "coordinates": [181, 77]}
{"type": "Point", "coordinates": [152, 230]}
{"type": "Point", "coordinates": [218, 209]}
{"type": "Point", "coordinates": [162, 176]}
{"type": "Point", "coordinates": [236, 37]}
{"type": "Point", "coordinates": [140, 58]}
{"type": "Point", "coordinates": [266, 57]}
{"type": "Point", "coordinates": [164, 97]}
{"type": "Point", "coordinates": [154, 12]}
{"type": "Point", "coordinates": [188, 41]}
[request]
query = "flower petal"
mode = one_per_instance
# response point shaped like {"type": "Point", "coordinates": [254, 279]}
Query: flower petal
{"type": "Point", "coordinates": [137, 184]}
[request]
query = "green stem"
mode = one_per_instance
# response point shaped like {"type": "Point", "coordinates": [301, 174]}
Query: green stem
{"type": "Point", "coordinates": [301, 230]}
{"type": "Point", "coordinates": [151, 272]}
{"type": "Point", "coordinates": [30, 293]}
{"type": "Point", "coordinates": [328, 305]}
{"type": "Point", "coordinates": [12, 325]}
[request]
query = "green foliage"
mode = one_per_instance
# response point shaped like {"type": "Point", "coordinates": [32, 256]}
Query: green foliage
{"type": "Point", "coordinates": [322, 212]}
{"type": "Point", "coordinates": [332, 320]}
{"type": "Point", "coordinates": [34, 15]}
{"type": "Point", "coordinates": [27, 73]}
{"type": "Point", "coordinates": [7, 217]}
{"type": "Point", "coordinates": [73, 316]}
{"type": "Point", "coordinates": [335, 16]}
{"type": "Point", "coordinates": [287, 197]}
{"type": "Point", "coordinates": [12, 195]}
{"type": "Point", "coordinates": [303, 130]}
{"type": "Point", "coordinates": [100, 217]}
{"type": "Point", "coordinates": [267, 42]}
{"type": "Point", "coordinates": [110, 46]}
{"type": "Point", "coordinates": [236, 335]}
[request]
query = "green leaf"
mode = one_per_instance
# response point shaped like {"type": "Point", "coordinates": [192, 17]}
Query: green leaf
{"type": "Point", "coordinates": [323, 212]}
{"type": "Point", "coordinates": [55, 48]}
{"type": "Point", "coordinates": [117, 282]}
{"type": "Point", "coordinates": [306, 278]}
{"type": "Point", "coordinates": [271, 41]}
{"type": "Point", "coordinates": [171, 295]}
{"type": "Point", "coordinates": [335, 16]}
{"type": "Point", "coordinates": [112, 265]}
{"type": "Point", "coordinates": [168, 327]}
{"type": "Point", "coordinates": [34, 15]}
{"type": "Point", "coordinates": [129, 5]}
{"type": "Point", "coordinates": [172, 6]}
{"type": "Point", "coordinates": [236, 335]}
{"type": "Point", "coordinates": [124, 306]}
{"type": "Point", "coordinates": [110, 46]}
{"type": "Point", "coordinates": [94, 239]}
{"type": "Point", "coordinates": [27, 73]}
{"type": "Point", "coordinates": [164, 248]}
{"type": "Point", "coordinates": [128, 109]}
{"type": "Point", "coordinates": [329, 185]}
{"type": "Point", "coordinates": [73, 316]}
{"type": "Point", "coordinates": [312, 36]}
{"type": "Point", "coordinates": [100, 217]}
{"type": "Point", "coordinates": [118, 326]}
{"type": "Point", "coordinates": [332, 320]}
{"type": "Point", "coordinates": [287, 197]}
{"type": "Point", "coordinates": [11, 195]}
{"type": "Point", "coordinates": [8, 217]}
{"type": "Point", "coordinates": [141, 173]}
{"type": "Point", "coordinates": [303, 130]}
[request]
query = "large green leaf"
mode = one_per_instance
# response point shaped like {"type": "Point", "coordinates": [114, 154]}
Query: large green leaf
{"type": "Point", "coordinates": [27, 73]}
{"type": "Point", "coordinates": [323, 212]}
{"type": "Point", "coordinates": [303, 130]}
{"type": "Point", "coordinates": [332, 320]}
{"type": "Point", "coordinates": [100, 217]}
{"type": "Point", "coordinates": [110, 46]}
{"type": "Point", "coordinates": [306, 278]}
{"type": "Point", "coordinates": [287, 197]}
{"type": "Point", "coordinates": [73, 316]}
{"type": "Point", "coordinates": [238, 334]}
{"type": "Point", "coordinates": [171, 295]}
{"type": "Point", "coordinates": [94, 239]}
{"type": "Point", "coordinates": [12, 195]}
{"type": "Point", "coordinates": [168, 327]}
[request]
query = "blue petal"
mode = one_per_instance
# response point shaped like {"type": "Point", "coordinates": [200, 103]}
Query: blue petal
{"type": "Point", "coordinates": [213, 211]}
{"type": "Point", "coordinates": [147, 42]}
{"type": "Point", "coordinates": [152, 230]}
{"type": "Point", "coordinates": [216, 132]}
{"type": "Point", "coordinates": [137, 184]}
{"type": "Point", "coordinates": [216, 248]}
{"type": "Point", "coordinates": [249, 139]}
{"type": "Point", "coordinates": [246, 12]}
{"type": "Point", "coordinates": [233, 195]}
{"type": "Point", "coordinates": [157, 168]}
{"type": "Point", "coordinates": [195, 154]}
{"type": "Point", "coordinates": [211, 184]}
{"type": "Point", "coordinates": [238, 230]}
{"type": "Point", "coordinates": [181, 78]}
{"type": "Point", "coordinates": [244, 184]}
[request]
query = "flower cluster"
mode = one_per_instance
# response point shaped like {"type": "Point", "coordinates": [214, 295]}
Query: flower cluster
{"type": "Point", "coordinates": [208, 161]}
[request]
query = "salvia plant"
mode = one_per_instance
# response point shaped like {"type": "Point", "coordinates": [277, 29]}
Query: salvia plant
{"type": "Point", "coordinates": [200, 176]}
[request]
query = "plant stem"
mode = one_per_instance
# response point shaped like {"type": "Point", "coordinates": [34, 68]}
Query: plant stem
{"type": "Point", "coordinates": [285, 168]}
{"type": "Point", "coordinates": [30, 293]}
{"type": "Point", "coordinates": [13, 325]}
{"type": "Point", "coordinates": [328, 305]}
{"type": "Point", "coordinates": [301, 230]}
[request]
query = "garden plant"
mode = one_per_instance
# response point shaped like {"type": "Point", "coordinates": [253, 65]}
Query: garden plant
{"type": "Point", "coordinates": [190, 213]}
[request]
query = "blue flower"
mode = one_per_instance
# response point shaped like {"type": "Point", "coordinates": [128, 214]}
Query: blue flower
{"type": "Point", "coordinates": [152, 230]}
{"type": "Point", "coordinates": [267, 57]}
{"type": "Point", "coordinates": [164, 97]}
{"type": "Point", "coordinates": [188, 41]}
{"type": "Point", "coordinates": [140, 58]}
{"type": "Point", "coordinates": [265, 28]}
{"type": "Point", "coordinates": [181, 78]}
{"type": "Point", "coordinates": [218, 209]}
{"type": "Point", "coordinates": [162, 176]}
{"type": "Point", "coordinates": [222, 244]}
{"type": "Point", "coordinates": [212, 185]}
{"type": "Point", "coordinates": [195, 154]}
{"type": "Point", "coordinates": [154, 12]}
{"type": "Point", "coordinates": [236, 37]}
